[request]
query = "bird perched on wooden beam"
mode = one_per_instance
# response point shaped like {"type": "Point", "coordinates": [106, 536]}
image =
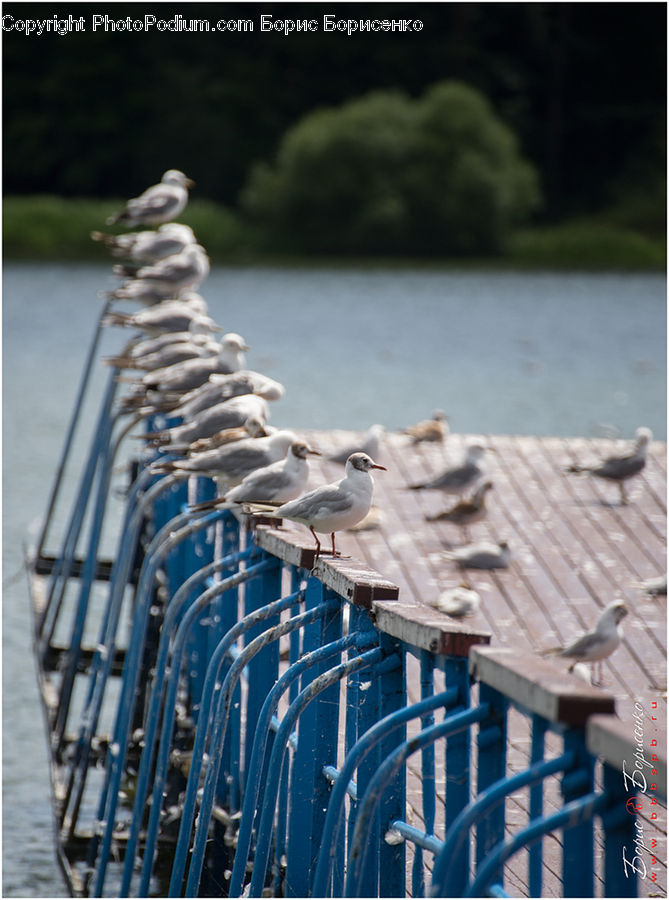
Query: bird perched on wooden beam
{"type": "Point", "coordinates": [596, 645]}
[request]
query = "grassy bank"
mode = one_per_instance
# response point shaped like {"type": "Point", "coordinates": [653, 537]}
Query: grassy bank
{"type": "Point", "coordinates": [53, 228]}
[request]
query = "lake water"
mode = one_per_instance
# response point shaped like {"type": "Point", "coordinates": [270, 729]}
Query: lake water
{"type": "Point", "coordinates": [500, 352]}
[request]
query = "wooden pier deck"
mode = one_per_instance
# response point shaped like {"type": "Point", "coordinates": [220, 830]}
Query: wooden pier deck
{"type": "Point", "coordinates": [574, 549]}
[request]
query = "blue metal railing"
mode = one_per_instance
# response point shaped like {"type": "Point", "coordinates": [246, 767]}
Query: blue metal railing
{"type": "Point", "coordinates": [261, 735]}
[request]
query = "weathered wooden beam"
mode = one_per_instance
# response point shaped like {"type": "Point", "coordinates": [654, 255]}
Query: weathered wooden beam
{"type": "Point", "coordinates": [426, 628]}
{"type": "Point", "coordinates": [621, 743]}
{"type": "Point", "coordinates": [347, 577]}
{"type": "Point", "coordinates": [538, 685]}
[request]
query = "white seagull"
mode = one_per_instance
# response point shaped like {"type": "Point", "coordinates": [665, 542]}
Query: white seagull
{"type": "Point", "coordinates": [621, 467]}
{"type": "Point", "coordinates": [231, 413]}
{"type": "Point", "coordinates": [483, 555]}
{"type": "Point", "coordinates": [278, 482]}
{"type": "Point", "coordinates": [337, 506]}
{"type": "Point", "coordinates": [174, 274]}
{"type": "Point", "coordinates": [457, 602]}
{"type": "Point", "coordinates": [458, 478]}
{"type": "Point", "coordinates": [596, 645]}
{"type": "Point", "coordinates": [232, 462]}
{"type": "Point", "coordinates": [148, 246]}
{"type": "Point", "coordinates": [158, 204]}
{"type": "Point", "coordinates": [190, 374]}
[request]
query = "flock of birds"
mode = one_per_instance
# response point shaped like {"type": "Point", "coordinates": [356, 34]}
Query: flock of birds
{"type": "Point", "coordinates": [185, 368]}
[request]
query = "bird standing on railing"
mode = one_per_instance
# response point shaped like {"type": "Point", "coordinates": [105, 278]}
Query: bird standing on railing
{"type": "Point", "coordinates": [458, 478]}
{"type": "Point", "coordinates": [171, 276]}
{"type": "Point", "coordinates": [232, 413]}
{"type": "Point", "coordinates": [144, 247]}
{"type": "Point", "coordinates": [596, 645]}
{"type": "Point", "coordinates": [619, 468]}
{"type": "Point", "coordinates": [467, 511]}
{"type": "Point", "coordinates": [170, 315]}
{"type": "Point", "coordinates": [278, 482]}
{"type": "Point", "coordinates": [230, 464]}
{"type": "Point", "coordinates": [434, 429]}
{"type": "Point", "coordinates": [333, 507]}
{"type": "Point", "coordinates": [158, 204]}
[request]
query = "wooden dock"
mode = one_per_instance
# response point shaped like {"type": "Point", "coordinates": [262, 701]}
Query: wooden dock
{"type": "Point", "coordinates": [574, 549]}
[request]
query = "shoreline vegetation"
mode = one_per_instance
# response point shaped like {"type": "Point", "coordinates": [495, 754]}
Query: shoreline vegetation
{"type": "Point", "coordinates": [51, 228]}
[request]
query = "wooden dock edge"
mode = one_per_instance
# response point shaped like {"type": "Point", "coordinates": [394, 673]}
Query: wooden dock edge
{"type": "Point", "coordinates": [625, 744]}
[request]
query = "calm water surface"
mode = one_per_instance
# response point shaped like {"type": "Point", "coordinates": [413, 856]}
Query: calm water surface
{"type": "Point", "coordinates": [501, 353]}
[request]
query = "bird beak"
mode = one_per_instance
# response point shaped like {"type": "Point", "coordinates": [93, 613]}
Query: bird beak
{"type": "Point", "coordinates": [377, 466]}
{"type": "Point", "coordinates": [314, 452]}
{"type": "Point", "coordinates": [190, 183]}
{"type": "Point", "coordinates": [245, 347]}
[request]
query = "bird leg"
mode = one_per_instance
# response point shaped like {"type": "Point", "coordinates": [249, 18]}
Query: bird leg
{"type": "Point", "coordinates": [334, 552]}
{"type": "Point", "coordinates": [318, 543]}
{"type": "Point", "coordinates": [623, 495]}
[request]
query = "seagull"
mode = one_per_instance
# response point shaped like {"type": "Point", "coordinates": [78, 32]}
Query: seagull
{"type": "Point", "coordinates": [334, 507]}
{"type": "Point", "coordinates": [171, 353]}
{"type": "Point", "coordinates": [191, 373]}
{"type": "Point", "coordinates": [457, 602]}
{"type": "Point", "coordinates": [620, 468]}
{"type": "Point", "coordinates": [483, 555]}
{"type": "Point", "coordinates": [457, 478]}
{"type": "Point", "coordinates": [654, 586]}
{"type": "Point", "coordinates": [231, 413]}
{"type": "Point", "coordinates": [148, 246]}
{"type": "Point", "coordinates": [158, 204]}
{"type": "Point", "coordinates": [598, 644]}
{"type": "Point", "coordinates": [434, 429]}
{"type": "Point", "coordinates": [188, 312]}
{"type": "Point", "coordinates": [233, 462]}
{"type": "Point", "coordinates": [466, 512]}
{"type": "Point", "coordinates": [225, 387]}
{"type": "Point", "coordinates": [182, 271]}
{"type": "Point", "coordinates": [369, 444]}
{"type": "Point", "coordinates": [254, 426]}
{"type": "Point", "coordinates": [278, 482]}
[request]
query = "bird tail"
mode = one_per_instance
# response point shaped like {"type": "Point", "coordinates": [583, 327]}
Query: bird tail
{"type": "Point", "coordinates": [116, 318]}
{"type": "Point", "coordinates": [260, 508]}
{"type": "Point", "coordinates": [550, 651]}
{"type": "Point", "coordinates": [416, 487]}
{"type": "Point", "coordinates": [207, 505]}
{"type": "Point", "coordinates": [576, 469]}
{"type": "Point", "coordinates": [121, 362]}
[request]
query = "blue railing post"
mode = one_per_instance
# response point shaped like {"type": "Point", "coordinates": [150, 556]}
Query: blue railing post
{"type": "Point", "coordinates": [578, 879]}
{"type": "Point", "coordinates": [318, 731]}
{"type": "Point", "coordinates": [393, 698]}
{"type": "Point", "coordinates": [491, 767]}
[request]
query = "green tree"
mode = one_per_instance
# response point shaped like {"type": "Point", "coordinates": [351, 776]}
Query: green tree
{"type": "Point", "coordinates": [441, 175]}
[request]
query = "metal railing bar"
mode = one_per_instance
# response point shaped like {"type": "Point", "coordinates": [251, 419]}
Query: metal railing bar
{"type": "Point", "coordinates": [289, 677]}
{"type": "Point", "coordinates": [65, 558]}
{"type": "Point", "coordinates": [171, 676]}
{"type": "Point", "coordinates": [317, 686]}
{"type": "Point", "coordinates": [215, 734]}
{"type": "Point", "coordinates": [360, 749]}
{"type": "Point", "coordinates": [332, 774]}
{"type": "Point", "coordinates": [420, 838]}
{"type": "Point", "coordinates": [167, 538]}
{"type": "Point", "coordinates": [78, 405]}
{"type": "Point", "coordinates": [459, 830]}
{"type": "Point", "coordinates": [573, 813]}
{"type": "Point", "coordinates": [451, 725]}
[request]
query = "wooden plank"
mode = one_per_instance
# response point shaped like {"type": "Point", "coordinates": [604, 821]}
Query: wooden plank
{"type": "Point", "coordinates": [537, 685]}
{"type": "Point", "coordinates": [427, 629]}
{"type": "Point", "coordinates": [629, 743]}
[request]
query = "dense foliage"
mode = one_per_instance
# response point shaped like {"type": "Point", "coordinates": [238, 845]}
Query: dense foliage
{"type": "Point", "coordinates": [385, 173]}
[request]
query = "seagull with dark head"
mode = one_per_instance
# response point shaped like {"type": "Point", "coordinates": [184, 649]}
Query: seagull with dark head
{"type": "Point", "coordinates": [333, 507]}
